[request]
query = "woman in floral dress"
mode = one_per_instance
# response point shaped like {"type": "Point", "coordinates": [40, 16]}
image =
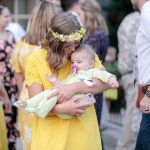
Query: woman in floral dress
{"type": "Point", "coordinates": [6, 47]}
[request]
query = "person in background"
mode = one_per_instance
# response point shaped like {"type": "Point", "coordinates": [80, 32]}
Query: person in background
{"type": "Point", "coordinates": [111, 66]}
{"type": "Point", "coordinates": [37, 29]}
{"type": "Point", "coordinates": [55, 2]}
{"type": "Point", "coordinates": [6, 48]}
{"type": "Point", "coordinates": [96, 36]}
{"type": "Point", "coordinates": [126, 43]}
{"type": "Point", "coordinates": [16, 29]}
{"type": "Point", "coordinates": [72, 6]}
{"type": "Point", "coordinates": [3, 93]}
{"type": "Point", "coordinates": [143, 61]}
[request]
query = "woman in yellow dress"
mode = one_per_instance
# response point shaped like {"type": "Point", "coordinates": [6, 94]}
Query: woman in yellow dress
{"type": "Point", "coordinates": [53, 133]}
{"type": "Point", "coordinates": [37, 29]}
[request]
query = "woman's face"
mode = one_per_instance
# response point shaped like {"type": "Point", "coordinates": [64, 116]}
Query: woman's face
{"type": "Point", "coordinates": [4, 17]}
{"type": "Point", "coordinates": [69, 48]}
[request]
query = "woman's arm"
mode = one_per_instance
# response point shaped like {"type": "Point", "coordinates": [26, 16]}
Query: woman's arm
{"type": "Point", "coordinates": [97, 88]}
{"type": "Point", "coordinates": [34, 89]}
{"type": "Point", "coordinates": [71, 107]}
{"type": "Point", "coordinates": [19, 79]}
{"type": "Point", "coordinates": [66, 92]}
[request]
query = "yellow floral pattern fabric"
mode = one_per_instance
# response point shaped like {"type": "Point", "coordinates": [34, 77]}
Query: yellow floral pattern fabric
{"type": "Point", "coordinates": [21, 52]}
{"type": "Point", "coordinates": [78, 133]}
{"type": "Point", "coordinates": [18, 60]}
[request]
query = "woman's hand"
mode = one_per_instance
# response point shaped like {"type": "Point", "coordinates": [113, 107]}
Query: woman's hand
{"type": "Point", "coordinates": [2, 68]}
{"type": "Point", "coordinates": [65, 92]}
{"type": "Point", "coordinates": [145, 105]}
{"type": "Point", "coordinates": [7, 106]}
{"type": "Point", "coordinates": [72, 107]}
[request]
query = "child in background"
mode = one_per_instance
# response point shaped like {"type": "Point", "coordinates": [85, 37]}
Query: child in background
{"type": "Point", "coordinates": [111, 66]}
{"type": "Point", "coordinates": [82, 61]}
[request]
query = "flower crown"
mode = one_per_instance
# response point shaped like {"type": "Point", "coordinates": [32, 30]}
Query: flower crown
{"type": "Point", "coordinates": [77, 36]}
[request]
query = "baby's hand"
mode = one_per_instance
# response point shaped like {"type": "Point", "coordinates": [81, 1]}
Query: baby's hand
{"type": "Point", "coordinates": [113, 82]}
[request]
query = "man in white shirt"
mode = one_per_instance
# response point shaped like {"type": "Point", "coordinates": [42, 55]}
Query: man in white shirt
{"type": "Point", "coordinates": [143, 57]}
{"type": "Point", "coordinates": [126, 45]}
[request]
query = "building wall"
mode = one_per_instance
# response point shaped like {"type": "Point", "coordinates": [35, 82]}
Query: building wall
{"type": "Point", "coordinates": [20, 9]}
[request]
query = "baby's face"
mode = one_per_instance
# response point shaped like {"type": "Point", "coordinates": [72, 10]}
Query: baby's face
{"type": "Point", "coordinates": [81, 61]}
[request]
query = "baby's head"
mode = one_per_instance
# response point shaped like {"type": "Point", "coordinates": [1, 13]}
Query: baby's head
{"type": "Point", "coordinates": [83, 57]}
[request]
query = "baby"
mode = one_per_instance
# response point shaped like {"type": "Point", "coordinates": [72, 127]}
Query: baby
{"type": "Point", "coordinates": [82, 62]}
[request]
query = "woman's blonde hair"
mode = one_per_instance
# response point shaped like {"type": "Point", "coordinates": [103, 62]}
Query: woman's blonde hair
{"type": "Point", "coordinates": [40, 22]}
{"type": "Point", "coordinates": [64, 23]}
{"type": "Point", "coordinates": [93, 19]}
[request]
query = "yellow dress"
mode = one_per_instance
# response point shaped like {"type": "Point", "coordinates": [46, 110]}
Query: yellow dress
{"type": "Point", "coordinates": [18, 60]}
{"type": "Point", "coordinates": [3, 137]}
{"type": "Point", "coordinates": [53, 133]}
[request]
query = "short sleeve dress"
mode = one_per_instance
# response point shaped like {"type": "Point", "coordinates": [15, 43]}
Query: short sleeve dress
{"type": "Point", "coordinates": [18, 60]}
{"type": "Point", "coordinates": [53, 133]}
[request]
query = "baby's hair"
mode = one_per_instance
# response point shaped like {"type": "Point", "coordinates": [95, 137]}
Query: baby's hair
{"type": "Point", "coordinates": [88, 49]}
